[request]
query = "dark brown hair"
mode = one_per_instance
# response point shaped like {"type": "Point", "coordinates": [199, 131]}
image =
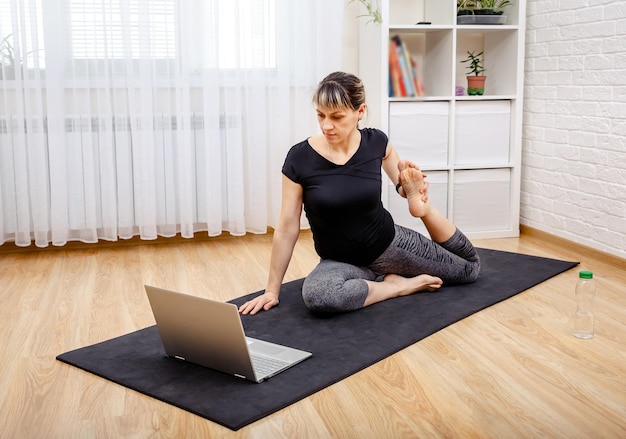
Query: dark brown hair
{"type": "Point", "coordinates": [340, 90]}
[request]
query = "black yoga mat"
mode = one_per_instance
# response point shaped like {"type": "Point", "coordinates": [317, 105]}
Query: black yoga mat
{"type": "Point", "coordinates": [342, 344]}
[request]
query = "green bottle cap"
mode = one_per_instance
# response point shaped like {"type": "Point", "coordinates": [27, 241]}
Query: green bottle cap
{"type": "Point", "coordinates": [585, 275]}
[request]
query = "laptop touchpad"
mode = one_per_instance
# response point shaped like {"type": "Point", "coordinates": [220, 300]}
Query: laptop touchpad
{"type": "Point", "coordinates": [265, 349]}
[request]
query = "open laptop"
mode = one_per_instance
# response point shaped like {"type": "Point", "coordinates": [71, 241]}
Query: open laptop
{"type": "Point", "coordinates": [210, 333]}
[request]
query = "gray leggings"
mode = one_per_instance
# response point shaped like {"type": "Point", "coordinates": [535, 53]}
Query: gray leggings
{"type": "Point", "coordinates": [337, 286]}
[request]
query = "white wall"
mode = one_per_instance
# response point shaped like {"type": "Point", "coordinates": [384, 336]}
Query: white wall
{"type": "Point", "coordinates": [350, 43]}
{"type": "Point", "coordinates": [574, 138]}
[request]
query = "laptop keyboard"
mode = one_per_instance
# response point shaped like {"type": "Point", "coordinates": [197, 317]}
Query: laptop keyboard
{"type": "Point", "coordinates": [265, 366]}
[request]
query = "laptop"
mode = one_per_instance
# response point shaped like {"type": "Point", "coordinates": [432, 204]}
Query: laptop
{"type": "Point", "coordinates": [210, 334]}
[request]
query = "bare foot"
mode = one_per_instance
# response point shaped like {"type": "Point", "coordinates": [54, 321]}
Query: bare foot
{"type": "Point", "coordinates": [394, 285]}
{"type": "Point", "coordinates": [413, 183]}
{"type": "Point", "coordinates": [409, 285]}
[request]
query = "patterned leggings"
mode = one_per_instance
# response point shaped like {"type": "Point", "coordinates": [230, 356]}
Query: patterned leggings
{"type": "Point", "coordinates": [337, 286]}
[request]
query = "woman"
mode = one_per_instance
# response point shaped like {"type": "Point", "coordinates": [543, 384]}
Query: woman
{"type": "Point", "coordinates": [365, 257]}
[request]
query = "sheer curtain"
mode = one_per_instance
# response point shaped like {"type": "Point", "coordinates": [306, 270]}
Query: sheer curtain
{"type": "Point", "coordinates": [122, 118]}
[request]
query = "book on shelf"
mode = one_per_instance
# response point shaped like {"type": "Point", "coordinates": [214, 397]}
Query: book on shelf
{"type": "Point", "coordinates": [395, 75]}
{"type": "Point", "coordinates": [405, 79]}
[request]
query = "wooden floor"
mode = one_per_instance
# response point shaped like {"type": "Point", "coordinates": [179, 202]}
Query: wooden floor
{"type": "Point", "coordinates": [510, 371]}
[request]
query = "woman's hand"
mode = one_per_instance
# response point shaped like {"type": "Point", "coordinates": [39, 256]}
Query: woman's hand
{"type": "Point", "coordinates": [263, 302]}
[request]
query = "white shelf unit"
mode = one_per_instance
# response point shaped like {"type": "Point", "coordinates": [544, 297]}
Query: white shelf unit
{"type": "Point", "coordinates": [469, 146]}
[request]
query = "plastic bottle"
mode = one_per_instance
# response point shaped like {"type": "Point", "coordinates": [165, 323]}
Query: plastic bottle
{"type": "Point", "coordinates": [585, 294]}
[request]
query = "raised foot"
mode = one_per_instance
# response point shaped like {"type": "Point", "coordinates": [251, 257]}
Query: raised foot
{"type": "Point", "coordinates": [412, 181]}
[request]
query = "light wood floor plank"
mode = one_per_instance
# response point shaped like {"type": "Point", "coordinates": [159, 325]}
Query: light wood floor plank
{"type": "Point", "coordinates": [512, 370]}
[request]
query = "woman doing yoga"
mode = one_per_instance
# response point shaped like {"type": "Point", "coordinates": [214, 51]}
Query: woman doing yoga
{"type": "Point", "coordinates": [365, 257]}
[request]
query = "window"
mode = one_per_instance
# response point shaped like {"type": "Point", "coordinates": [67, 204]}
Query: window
{"type": "Point", "coordinates": [122, 29]}
{"type": "Point", "coordinates": [228, 34]}
{"type": "Point", "coordinates": [246, 35]}
{"type": "Point", "coordinates": [217, 34]}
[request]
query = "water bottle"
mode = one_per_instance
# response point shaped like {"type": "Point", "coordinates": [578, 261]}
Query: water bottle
{"type": "Point", "coordinates": [585, 293]}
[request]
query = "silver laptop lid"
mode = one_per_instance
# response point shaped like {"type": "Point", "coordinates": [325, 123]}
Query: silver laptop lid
{"type": "Point", "coordinates": [201, 331]}
{"type": "Point", "coordinates": [210, 333]}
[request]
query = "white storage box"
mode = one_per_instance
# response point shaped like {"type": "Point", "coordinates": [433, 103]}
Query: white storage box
{"type": "Point", "coordinates": [482, 200]}
{"type": "Point", "coordinates": [482, 132]}
{"type": "Point", "coordinates": [419, 131]}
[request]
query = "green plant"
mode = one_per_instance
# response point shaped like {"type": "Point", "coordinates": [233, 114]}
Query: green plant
{"type": "Point", "coordinates": [475, 63]}
{"type": "Point", "coordinates": [7, 54]}
{"type": "Point", "coordinates": [466, 4]}
{"type": "Point", "coordinates": [372, 11]}
{"type": "Point", "coordinates": [496, 5]}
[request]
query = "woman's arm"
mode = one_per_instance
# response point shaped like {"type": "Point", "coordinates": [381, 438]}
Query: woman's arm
{"type": "Point", "coordinates": [390, 164]}
{"type": "Point", "coordinates": [284, 240]}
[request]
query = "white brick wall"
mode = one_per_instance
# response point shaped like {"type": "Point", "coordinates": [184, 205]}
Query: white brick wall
{"type": "Point", "coordinates": [574, 139]}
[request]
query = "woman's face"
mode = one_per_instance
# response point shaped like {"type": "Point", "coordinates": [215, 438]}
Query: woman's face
{"type": "Point", "coordinates": [338, 124]}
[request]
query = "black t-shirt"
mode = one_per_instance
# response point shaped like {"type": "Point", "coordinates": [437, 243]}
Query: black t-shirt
{"type": "Point", "coordinates": [343, 202]}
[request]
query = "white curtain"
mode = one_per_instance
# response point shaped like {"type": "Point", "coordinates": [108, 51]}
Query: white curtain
{"type": "Point", "coordinates": [122, 118]}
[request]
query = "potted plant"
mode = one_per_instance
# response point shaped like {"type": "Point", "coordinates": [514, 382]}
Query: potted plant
{"type": "Point", "coordinates": [465, 7]}
{"type": "Point", "coordinates": [12, 66]}
{"type": "Point", "coordinates": [7, 58]}
{"type": "Point", "coordinates": [475, 81]}
{"type": "Point", "coordinates": [481, 11]}
{"type": "Point", "coordinates": [491, 7]}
